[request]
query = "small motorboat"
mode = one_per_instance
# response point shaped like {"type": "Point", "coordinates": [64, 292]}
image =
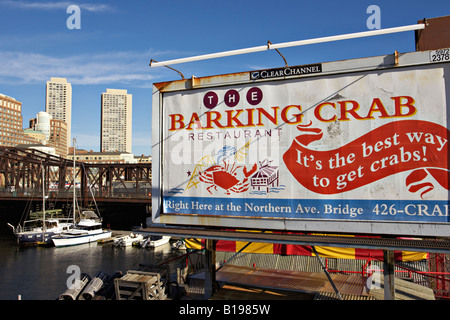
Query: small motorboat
{"type": "Point", "coordinates": [179, 245]}
{"type": "Point", "coordinates": [157, 241]}
{"type": "Point", "coordinates": [127, 240]}
{"type": "Point", "coordinates": [151, 241]}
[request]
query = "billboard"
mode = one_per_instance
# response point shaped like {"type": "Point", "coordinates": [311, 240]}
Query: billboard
{"type": "Point", "coordinates": [311, 148]}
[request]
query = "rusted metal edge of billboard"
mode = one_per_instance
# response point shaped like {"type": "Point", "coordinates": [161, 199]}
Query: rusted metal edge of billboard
{"type": "Point", "coordinates": [420, 245]}
{"type": "Point", "coordinates": [394, 60]}
{"type": "Point", "coordinates": [310, 225]}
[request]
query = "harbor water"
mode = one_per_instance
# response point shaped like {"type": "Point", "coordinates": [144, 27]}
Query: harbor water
{"type": "Point", "coordinates": [39, 273]}
{"type": "Point", "coordinates": [42, 273]}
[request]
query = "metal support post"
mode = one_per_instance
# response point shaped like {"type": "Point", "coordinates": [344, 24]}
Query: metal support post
{"type": "Point", "coordinates": [389, 276]}
{"type": "Point", "coordinates": [210, 272]}
{"type": "Point", "coordinates": [326, 272]}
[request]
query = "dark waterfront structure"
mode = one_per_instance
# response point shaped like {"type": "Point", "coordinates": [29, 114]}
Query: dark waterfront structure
{"type": "Point", "coordinates": [121, 191]}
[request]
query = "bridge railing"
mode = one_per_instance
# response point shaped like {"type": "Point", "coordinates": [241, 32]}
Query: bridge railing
{"type": "Point", "coordinates": [68, 193]}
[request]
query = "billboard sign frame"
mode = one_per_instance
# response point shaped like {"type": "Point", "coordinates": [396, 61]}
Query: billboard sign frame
{"type": "Point", "coordinates": [369, 109]}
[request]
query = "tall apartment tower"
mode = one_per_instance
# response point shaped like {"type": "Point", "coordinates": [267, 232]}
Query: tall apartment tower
{"type": "Point", "coordinates": [116, 121]}
{"type": "Point", "coordinates": [58, 102]}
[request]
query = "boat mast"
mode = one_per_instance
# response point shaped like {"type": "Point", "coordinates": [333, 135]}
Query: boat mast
{"type": "Point", "coordinates": [43, 202]}
{"type": "Point", "coordinates": [74, 181]}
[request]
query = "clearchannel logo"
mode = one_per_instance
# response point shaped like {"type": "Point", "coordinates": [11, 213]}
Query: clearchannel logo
{"type": "Point", "coordinates": [286, 72]}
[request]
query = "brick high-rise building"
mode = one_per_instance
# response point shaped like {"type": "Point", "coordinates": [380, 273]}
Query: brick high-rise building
{"type": "Point", "coordinates": [50, 132]}
{"type": "Point", "coordinates": [11, 121]}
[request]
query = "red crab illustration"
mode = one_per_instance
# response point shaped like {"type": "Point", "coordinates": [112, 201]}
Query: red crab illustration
{"type": "Point", "coordinates": [226, 178]}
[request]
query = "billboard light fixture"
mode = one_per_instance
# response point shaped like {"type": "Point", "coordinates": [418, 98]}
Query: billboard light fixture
{"type": "Point", "coordinates": [270, 46]}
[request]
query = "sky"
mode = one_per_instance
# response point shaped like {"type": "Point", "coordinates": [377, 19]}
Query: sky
{"type": "Point", "coordinates": [116, 39]}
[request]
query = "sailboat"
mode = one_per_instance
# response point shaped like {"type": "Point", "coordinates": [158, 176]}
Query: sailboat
{"type": "Point", "coordinates": [89, 227]}
{"type": "Point", "coordinates": [43, 225]}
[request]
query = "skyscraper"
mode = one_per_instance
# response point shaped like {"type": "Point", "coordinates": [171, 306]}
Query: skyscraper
{"type": "Point", "coordinates": [116, 121]}
{"type": "Point", "coordinates": [58, 102]}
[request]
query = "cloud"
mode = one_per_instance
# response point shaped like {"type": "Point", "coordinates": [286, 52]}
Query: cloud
{"type": "Point", "coordinates": [125, 67]}
{"type": "Point", "coordinates": [38, 5]}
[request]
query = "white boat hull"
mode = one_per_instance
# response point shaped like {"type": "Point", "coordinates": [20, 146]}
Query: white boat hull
{"type": "Point", "coordinates": [128, 240]}
{"type": "Point", "coordinates": [71, 240]}
{"type": "Point", "coordinates": [160, 242]}
{"type": "Point", "coordinates": [38, 236]}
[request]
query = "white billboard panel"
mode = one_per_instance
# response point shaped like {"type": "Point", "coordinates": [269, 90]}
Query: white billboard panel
{"type": "Point", "coordinates": [352, 149]}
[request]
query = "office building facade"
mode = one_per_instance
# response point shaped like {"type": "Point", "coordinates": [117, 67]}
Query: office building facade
{"type": "Point", "coordinates": [58, 102]}
{"type": "Point", "coordinates": [116, 113]}
{"type": "Point", "coordinates": [54, 132]}
{"type": "Point", "coordinates": [11, 121]}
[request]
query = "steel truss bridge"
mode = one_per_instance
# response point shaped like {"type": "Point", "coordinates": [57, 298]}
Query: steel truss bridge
{"type": "Point", "coordinates": [27, 171]}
